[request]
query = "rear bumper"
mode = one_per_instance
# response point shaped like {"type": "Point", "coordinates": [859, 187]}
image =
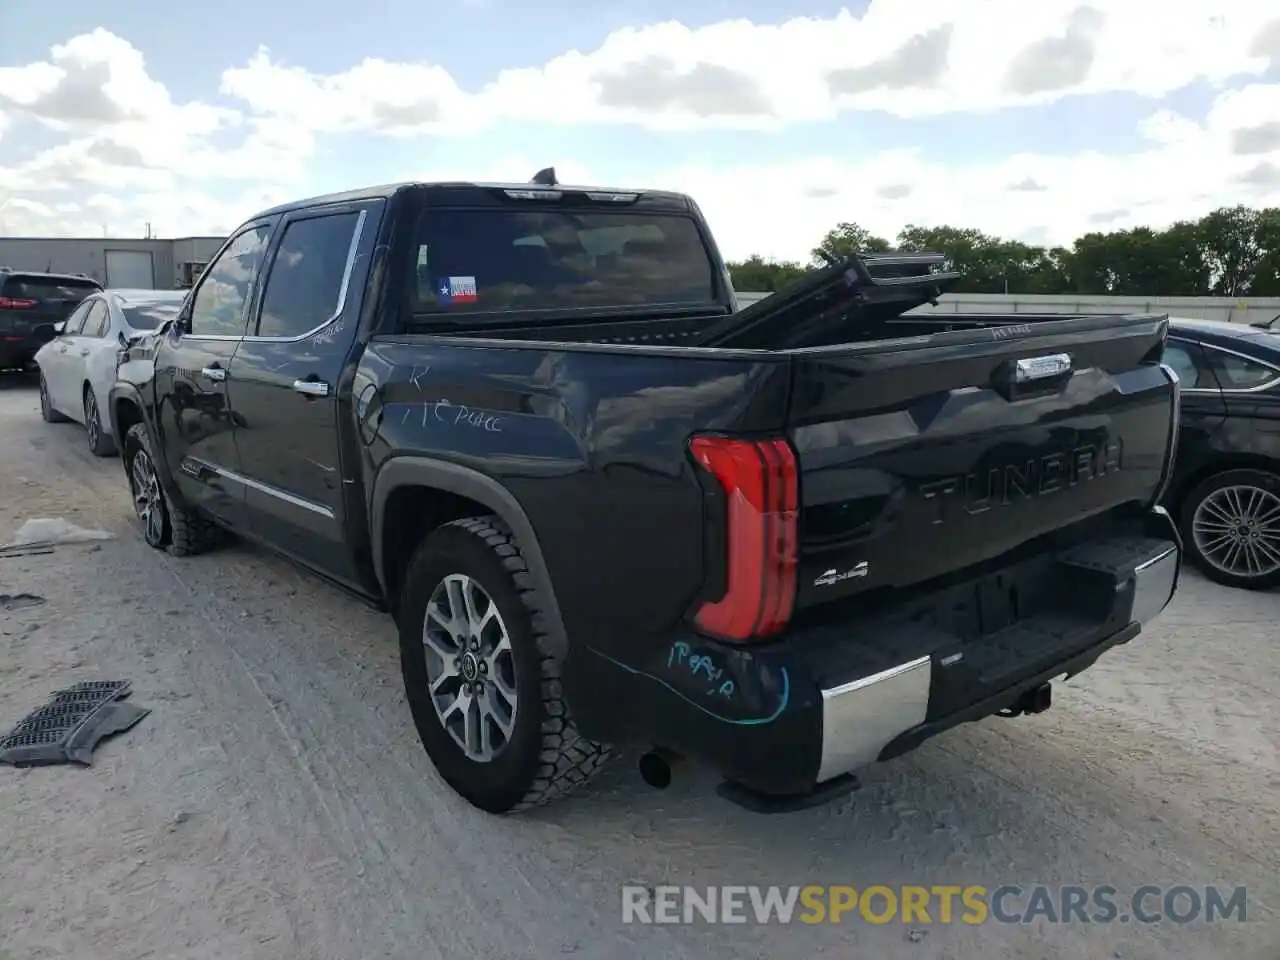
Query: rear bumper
{"type": "Point", "coordinates": [804, 714]}
{"type": "Point", "coordinates": [18, 352]}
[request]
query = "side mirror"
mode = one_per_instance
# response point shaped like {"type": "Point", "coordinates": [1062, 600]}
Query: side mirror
{"type": "Point", "coordinates": [122, 339]}
{"type": "Point", "coordinates": [59, 327]}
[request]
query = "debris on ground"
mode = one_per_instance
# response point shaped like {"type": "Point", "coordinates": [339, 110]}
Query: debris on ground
{"type": "Point", "coordinates": [51, 531]}
{"type": "Point", "coordinates": [71, 724]}
{"type": "Point", "coordinates": [19, 601]}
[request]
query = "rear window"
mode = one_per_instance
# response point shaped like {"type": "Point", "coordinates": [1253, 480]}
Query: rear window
{"type": "Point", "coordinates": [480, 260]}
{"type": "Point", "coordinates": [68, 290]}
{"type": "Point", "coordinates": [148, 316]}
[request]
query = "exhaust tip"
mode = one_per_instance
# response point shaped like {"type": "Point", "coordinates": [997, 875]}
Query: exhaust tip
{"type": "Point", "coordinates": [655, 769]}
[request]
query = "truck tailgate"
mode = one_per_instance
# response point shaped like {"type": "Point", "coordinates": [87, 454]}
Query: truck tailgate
{"type": "Point", "coordinates": [923, 456]}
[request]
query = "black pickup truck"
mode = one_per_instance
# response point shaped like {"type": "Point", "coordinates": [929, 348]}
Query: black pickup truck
{"type": "Point", "coordinates": [608, 509]}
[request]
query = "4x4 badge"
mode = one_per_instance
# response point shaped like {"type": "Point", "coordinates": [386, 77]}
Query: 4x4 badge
{"type": "Point", "coordinates": [834, 576]}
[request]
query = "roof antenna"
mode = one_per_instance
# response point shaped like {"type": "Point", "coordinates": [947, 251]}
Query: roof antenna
{"type": "Point", "coordinates": [545, 176]}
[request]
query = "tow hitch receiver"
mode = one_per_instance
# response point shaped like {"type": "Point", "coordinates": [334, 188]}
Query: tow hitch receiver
{"type": "Point", "coordinates": [1036, 700]}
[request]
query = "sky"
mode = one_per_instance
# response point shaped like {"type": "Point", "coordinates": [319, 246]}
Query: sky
{"type": "Point", "coordinates": [1035, 121]}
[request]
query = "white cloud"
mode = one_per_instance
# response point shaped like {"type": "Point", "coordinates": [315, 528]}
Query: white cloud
{"type": "Point", "coordinates": [911, 58]}
{"type": "Point", "coordinates": [132, 154]}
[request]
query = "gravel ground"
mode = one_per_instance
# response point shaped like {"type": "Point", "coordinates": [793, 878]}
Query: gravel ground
{"type": "Point", "coordinates": [276, 802]}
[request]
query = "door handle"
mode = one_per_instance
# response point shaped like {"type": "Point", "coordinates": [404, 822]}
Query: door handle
{"type": "Point", "coordinates": [312, 388]}
{"type": "Point", "coordinates": [214, 373]}
{"type": "Point", "coordinates": [84, 352]}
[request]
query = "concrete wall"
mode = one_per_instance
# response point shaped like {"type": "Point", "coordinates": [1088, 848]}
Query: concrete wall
{"type": "Point", "coordinates": [1243, 310]}
{"type": "Point", "coordinates": [196, 249]}
{"type": "Point", "coordinates": [89, 255]}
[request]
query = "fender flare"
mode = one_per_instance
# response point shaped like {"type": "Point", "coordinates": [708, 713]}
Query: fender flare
{"type": "Point", "coordinates": [413, 471]}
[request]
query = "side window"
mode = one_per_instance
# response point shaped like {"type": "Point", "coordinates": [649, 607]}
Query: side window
{"type": "Point", "coordinates": [305, 281]}
{"type": "Point", "coordinates": [95, 324]}
{"type": "Point", "coordinates": [1188, 361]}
{"type": "Point", "coordinates": [1239, 373]}
{"type": "Point", "coordinates": [76, 320]}
{"type": "Point", "coordinates": [218, 309]}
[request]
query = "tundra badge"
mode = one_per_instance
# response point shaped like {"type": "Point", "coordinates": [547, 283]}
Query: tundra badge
{"type": "Point", "coordinates": [833, 576]}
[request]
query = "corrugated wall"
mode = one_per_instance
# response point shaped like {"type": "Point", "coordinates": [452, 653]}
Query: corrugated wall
{"type": "Point", "coordinates": [1242, 310]}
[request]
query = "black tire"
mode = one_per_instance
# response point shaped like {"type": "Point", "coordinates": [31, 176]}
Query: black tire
{"type": "Point", "coordinates": [182, 531]}
{"type": "Point", "coordinates": [545, 758]}
{"type": "Point", "coordinates": [47, 413]}
{"type": "Point", "coordinates": [100, 444]}
{"type": "Point", "coordinates": [1259, 479]}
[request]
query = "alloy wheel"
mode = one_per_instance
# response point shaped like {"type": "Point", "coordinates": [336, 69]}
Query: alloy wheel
{"type": "Point", "coordinates": [470, 669]}
{"type": "Point", "coordinates": [1237, 531]}
{"type": "Point", "coordinates": [92, 425]}
{"type": "Point", "coordinates": [148, 502]}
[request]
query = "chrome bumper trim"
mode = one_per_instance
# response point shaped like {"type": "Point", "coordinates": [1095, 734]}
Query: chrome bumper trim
{"type": "Point", "coordinates": [860, 718]}
{"type": "Point", "coordinates": [1153, 585]}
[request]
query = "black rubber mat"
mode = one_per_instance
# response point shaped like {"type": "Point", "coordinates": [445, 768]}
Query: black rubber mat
{"type": "Point", "coordinates": [68, 727]}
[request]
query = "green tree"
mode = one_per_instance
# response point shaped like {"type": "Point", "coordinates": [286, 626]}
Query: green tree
{"type": "Point", "coordinates": [1229, 238]}
{"type": "Point", "coordinates": [847, 240]}
{"type": "Point", "coordinates": [758, 275]}
{"type": "Point", "coordinates": [1231, 252]}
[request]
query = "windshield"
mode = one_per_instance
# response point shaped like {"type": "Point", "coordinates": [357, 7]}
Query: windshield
{"type": "Point", "coordinates": [148, 316]}
{"type": "Point", "coordinates": [479, 260]}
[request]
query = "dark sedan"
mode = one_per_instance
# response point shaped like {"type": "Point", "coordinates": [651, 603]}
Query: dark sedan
{"type": "Point", "coordinates": [1225, 490]}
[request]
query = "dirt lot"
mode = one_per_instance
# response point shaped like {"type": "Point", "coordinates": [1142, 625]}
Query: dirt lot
{"type": "Point", "coordinates": [276, 802]}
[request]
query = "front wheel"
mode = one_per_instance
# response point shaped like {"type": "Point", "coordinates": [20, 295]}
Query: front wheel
{"type": "Point", "coordinates": [1231, 528]}
{"type": "Point", "coordinates": [485, 693]}
{"type": "Point", "coordinates": [181, 530]}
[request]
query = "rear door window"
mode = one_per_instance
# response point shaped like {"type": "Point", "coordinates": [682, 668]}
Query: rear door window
{"type": "Point", "coordinates": [304, 286]}
{"type": "Point", "coordinates": [95, 324]}
{"type": "Point", "coordinates": [486, 259]}
{"type": "Point", "coordinates": [1235, 372]}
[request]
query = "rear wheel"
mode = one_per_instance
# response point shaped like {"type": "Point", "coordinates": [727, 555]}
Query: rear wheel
{"type": "Point", "coordinates": [183, 531]}
{"type": "Point", "coordinates": [483, 689]}
{"type": "Point", "coordinates": [1231, 528]}
{"type": "Point", "coordinates": [100, 445]}
{"type": "Point", "coordinates": [47, 413]}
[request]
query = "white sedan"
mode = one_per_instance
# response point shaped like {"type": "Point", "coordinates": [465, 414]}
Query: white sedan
{"type": "Point", "coordinates": [78, 367]}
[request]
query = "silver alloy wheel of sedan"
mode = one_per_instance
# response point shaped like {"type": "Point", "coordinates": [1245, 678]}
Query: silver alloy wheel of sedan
{"type": "Point", "coordinates": [470, 669]}
{"type": "Point", "coordinates": [92, 424]}
{"type": "Point", "coordinates": [1237, 530]}
{"type": "Point", "coordinates": [147, 502]}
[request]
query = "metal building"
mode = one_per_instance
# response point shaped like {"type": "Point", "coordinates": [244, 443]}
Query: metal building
{"type": "Point", "coordinates": [134, 263]}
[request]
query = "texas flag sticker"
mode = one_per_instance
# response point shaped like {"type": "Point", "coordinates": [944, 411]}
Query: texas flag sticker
{"type": "Point", "coordinates": [458, 290]}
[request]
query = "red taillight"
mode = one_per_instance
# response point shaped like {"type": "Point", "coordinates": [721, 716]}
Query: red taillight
{"type": "Point", "coordinates": [8, 303]}
{"type": "Point", "coordinates": [760, 481]}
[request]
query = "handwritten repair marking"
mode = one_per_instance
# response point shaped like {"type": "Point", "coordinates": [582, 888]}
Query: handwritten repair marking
{"type": "Point", "coordinates": [701, 665]}
{"type": "Point", "coordinates": [459, 415]}
{"type": "Point", "coordinates": [455, 415]}
{"type": "Point", "coordinates": [327, 334]}
{"type": "Point", "coordinates": [415, 375]}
